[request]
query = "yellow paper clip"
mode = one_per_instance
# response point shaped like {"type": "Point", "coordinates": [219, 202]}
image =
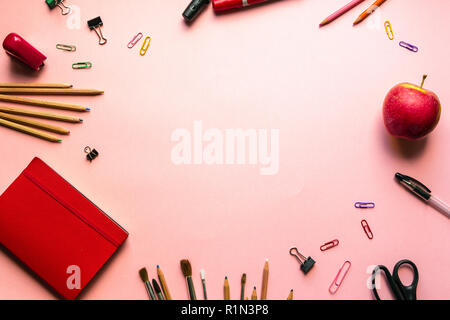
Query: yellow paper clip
{"type": "Point", "coordinates": [389, 31]}
{"type": "Point", "coordinates": [145, 45]}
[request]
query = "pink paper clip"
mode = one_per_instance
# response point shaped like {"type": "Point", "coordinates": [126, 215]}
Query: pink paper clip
{"type": "Point", "coordinates": [329, 245]}
{"type": "Point", "coordinates": [366, 229]}
{"type": "Point", "coordinates": [135, 40]}
{"type": "Point", "coordinates": [337, 282]}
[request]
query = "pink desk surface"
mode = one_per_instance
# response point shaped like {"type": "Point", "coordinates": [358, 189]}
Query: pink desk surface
{"type": "Point", "coordinates": [267, 67]}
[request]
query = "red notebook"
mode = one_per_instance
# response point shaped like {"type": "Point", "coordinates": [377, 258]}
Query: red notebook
{"type": "Point", "coordinates": [54, 230]}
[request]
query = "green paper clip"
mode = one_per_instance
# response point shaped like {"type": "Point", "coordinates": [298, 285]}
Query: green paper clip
{"type": "Point", "coordinates": [82, 65]}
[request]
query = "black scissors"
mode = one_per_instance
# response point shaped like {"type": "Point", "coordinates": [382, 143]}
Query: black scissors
{"type": "Point", "coordinates": [400, 291]}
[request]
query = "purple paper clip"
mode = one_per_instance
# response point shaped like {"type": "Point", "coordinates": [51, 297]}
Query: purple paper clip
{"type": "Point", "coordinates": [408, 46]}
{"type": "Point", "coordinates": [364, 205]}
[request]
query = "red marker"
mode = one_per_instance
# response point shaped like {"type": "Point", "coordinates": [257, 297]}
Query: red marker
{"type": "Point", "coordinates": [223, 5]}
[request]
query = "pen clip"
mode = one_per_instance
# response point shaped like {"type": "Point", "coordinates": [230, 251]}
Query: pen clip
{"type": "Point", "coordinates": [405, 178]}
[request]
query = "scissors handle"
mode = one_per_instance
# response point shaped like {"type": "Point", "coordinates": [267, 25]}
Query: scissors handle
{"type": "Point", "coordinates": [408, 292]}
{"type": "Point", "coordinates": [399, 290]}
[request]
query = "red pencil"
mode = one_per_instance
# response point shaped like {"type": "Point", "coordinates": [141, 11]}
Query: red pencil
{"type": "Point", "coordinates": [340, 12]}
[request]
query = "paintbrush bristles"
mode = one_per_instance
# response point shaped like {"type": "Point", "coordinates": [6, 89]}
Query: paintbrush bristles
{"type": "Point", "coordinates": [186, 268]}
{"type": "Point", "coordinates": [244, 278]}
{"type": "Point", "coordinates": [143, 274]}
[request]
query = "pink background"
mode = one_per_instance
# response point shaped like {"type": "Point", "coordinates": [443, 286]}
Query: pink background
{"type": "Point", "coordinates": [265, 67]}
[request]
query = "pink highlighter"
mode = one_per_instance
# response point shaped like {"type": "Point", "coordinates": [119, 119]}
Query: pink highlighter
{"type": "Point", "coordinates": [223, 5]}
{"type": "Point", "coordinates": [19, 48]}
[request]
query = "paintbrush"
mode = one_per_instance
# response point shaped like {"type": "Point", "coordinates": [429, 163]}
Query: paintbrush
{"type": "Point", "coordinates": [187, 272]}
{"type": "Point", "coordinates": [243, 280]}
{"type": "Point", "coordinates": [157, 289]}
{"type": "Point", "coordinates": [202, 276]}
{"type": "Point", "coordinates": [144, 276]}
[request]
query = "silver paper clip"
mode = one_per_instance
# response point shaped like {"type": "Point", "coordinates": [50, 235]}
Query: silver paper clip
{"type": "Point", "coordinates": [66, 47]}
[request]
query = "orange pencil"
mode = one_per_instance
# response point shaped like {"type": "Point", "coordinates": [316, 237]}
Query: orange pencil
{"type": "Point", "coordinates": [369, 10]}
{"type": "Point", "coordinates": [254, 294]}
{"type": "Point", "coordinates": [291, 295]}
{"type": "Point", "coordinates": [265, 281]}
{"type": "Point", "coordinates": [226, 289]}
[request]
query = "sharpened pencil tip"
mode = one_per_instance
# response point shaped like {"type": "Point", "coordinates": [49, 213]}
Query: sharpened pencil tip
{"type": "Point", "coordinates": [59, 140]}
{"type": "Point", "coordinates": [254, 288]}
{"type": "Point", "coordinates": [88, 109]}
{"type": "Point", "coordinates": [81, 120]}
{"type": "Point", "coordinates": [157, 267]}
{"type": "Point", "coordinates": [226, 277]}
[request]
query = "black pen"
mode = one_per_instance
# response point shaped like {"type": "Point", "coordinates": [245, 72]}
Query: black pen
{"type": "Point", "coordinates": [420, 190]}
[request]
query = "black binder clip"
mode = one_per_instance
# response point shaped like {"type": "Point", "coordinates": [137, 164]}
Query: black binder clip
{"type": "Point", "coordinates": [96, 24]}
{"type": "Point", "coordinates": [306, 264]}
{"type": "Point", "coordinates": [91, 154]}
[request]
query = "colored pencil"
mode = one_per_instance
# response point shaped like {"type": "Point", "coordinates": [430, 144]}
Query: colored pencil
{"type": "Point", "coordinates": [254, 294]}
{"type": "Point", "coordinates": [51, 91]}
{"type": "Point", "coordinates": [42, 115]}
{"type": "Point", "coordinates": [368, 11]}
{"type": "Point", "coordinates": [34, 85]}
{"type": "Point", "coordinates": [43, 103]}
{"type": "Point", "coordinates": [226, 289]}
{"type": "Point", "coordinates": [163, 282]}
{"type": "Point", "coordinates": [291, 295]}
{"type": "Point", "coordinates": [340, 12]}
{"type": "Point", "coordinates": [265, 281]}
{"type": "Point", "coordinates": [28, 130]}
{"type": "Point", "coordinates": [243, 281]}
{"type": "Point", "coordinates": [33, 123]}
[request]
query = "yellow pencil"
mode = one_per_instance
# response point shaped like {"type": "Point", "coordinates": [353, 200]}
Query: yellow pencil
{"type": "Point", "coordinates": [226, 289]}
{"type": "Point", "coordinates": [254, 294]}
{"type": "Point", "coordinates": [33, 123]}
{"type": "Point", "coordinates": [30, 131]}
{"type": "Point", "coordinates": [38, 114]}
{"type": "Point", "coordinates": [291, 295]}
{"type": "Point", "coordinates": [34, 85]}
{"type": "Point", "coordinates": [43, 103]}
{"type": "Point", "coordinates": [163, 282]}
{"type": "Point", "coordinates": [265, 281]}
{"type": "Point", "coordinates": [51, 91]}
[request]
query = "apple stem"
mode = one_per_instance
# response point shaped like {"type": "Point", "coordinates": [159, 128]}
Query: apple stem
{"type": "Point", "coordinates": [423, 80]}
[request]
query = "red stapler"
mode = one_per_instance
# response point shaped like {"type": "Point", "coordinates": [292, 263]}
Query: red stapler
{"type": "Point", "coordinates": [19, 48]}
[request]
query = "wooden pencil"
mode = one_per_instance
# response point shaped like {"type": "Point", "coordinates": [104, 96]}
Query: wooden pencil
{"type": "Point", "coordinates": [254, 294]}
{"type": "Point", "coordinates": [265, 281]}
{"type": "Point", "coordinates": [291, 295]}
{"type": "Point", "coordinates": [226, 289]}
{"type": "Point", "coordinates": [163, 282]}
{"type": "Point", "coordinates": [51, 91]}
{"type": "Point", "coordinates": [368, 11]}
{"type": "Point", "coordinates": [34, 85]}
{"type": "Point", "coordinates": [28, 130]}
{"type": "Point", "coordinates": [33, 123]}
{"type": "Point", "coordinates": [38, 114]}
{"type": "Point", "coordinates": [43, 103]}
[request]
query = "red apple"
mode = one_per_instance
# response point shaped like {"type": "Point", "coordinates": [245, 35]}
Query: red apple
{"type": "Point", "coordinates": [411, 112]}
